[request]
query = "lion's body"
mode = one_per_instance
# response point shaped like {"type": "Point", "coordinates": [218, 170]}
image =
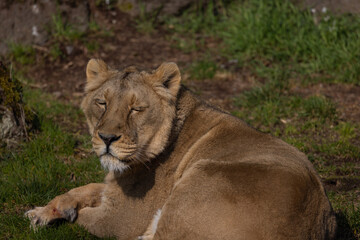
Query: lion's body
{"type": "Point", "coordinates": [213, 177]}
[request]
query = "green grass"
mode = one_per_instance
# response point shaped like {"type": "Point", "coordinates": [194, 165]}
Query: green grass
{"type": "Point", "coordinates": [259, 32]}
{"type": "Point", "coordinates": [22, 54]}
{"type": "Point", "coordinates": [146, 21]}
{"type": "Point", "coordinates": [55, 51]}
{"type": "Point", "coordinates": [275, 31]}
{"type": "Point", "coordinates": [51, 163]}
{"type": "Point", "coordinates": [64, 34]}
{"type": "Point", "coordinates": [189, 31]}
{"type": "Point", "coordinates": [63, 31]}
{"type": "Point", "coordinates": [92, 46]}
{"type": "Point", "coordinates": [203, 69]}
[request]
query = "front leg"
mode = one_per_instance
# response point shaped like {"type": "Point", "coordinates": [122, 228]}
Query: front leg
{"type": "Point", "coordinates": [67, 205]}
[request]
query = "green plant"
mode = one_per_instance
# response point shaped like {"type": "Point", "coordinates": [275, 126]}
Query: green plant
{"type": "Point", "coordinates": [146, 21]}
{"type": "Point", "coordinates": [92, 46]}
{"type": "Point", "coordinates": [94, 26]}
{"type": "Point", "coordinates": [260, 31]}
{"type": "Point", "coordinates": [63, 31]}
{"type": "Point", "coordinates": [22, 54]}
{"type": "Point", "coordinates": [55, 51]}
{"type": "Point", "coordinates": [319, 107]}
{"type": "Point", "coordinates": [194, 22]}
{"type": "Point", "coordinates": [346, 130]}
{"type": "Point", "coordinates": [204, 69]}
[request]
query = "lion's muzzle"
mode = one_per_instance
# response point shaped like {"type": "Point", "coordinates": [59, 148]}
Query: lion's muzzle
{"type": "Point", "coordinates": [108, 139]}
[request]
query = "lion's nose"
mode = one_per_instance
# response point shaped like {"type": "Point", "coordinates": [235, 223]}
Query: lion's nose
{"type": "Point", "coordinates": [108, 138]}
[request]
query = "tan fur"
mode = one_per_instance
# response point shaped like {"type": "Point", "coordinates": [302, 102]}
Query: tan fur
{"type": "Point", "coordinates": [211, 175]}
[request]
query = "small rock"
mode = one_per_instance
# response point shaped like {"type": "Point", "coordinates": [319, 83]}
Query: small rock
{"type": "Point", "coordinates": [35, 9]}
{"type": "Point", "coordinates": [69, 49]}
{"type": "Point", "coordinates": [35, 31]}
{"type": "Point", "coordinates": [57, 94]}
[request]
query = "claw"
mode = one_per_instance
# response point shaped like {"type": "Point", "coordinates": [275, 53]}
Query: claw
{"type": "Point", "coordinates": [35, 219]}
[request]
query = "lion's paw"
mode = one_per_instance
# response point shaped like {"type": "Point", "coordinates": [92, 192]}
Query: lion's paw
{"type": "Point", "coordinates": [43, 216]}
{"type": "Point", "coordinates": [37, 217]}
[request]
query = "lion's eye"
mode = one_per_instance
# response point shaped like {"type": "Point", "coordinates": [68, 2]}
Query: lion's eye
{"type": "Point", "coordinates": [137, 109]}
{"type": "Point", "coordinates": [133, 110]}
{"type": "Point", "coordinates": [100, 102]}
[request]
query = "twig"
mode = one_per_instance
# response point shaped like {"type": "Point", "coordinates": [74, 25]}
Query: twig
{"type": "Point", "coordinates": [23, 121]}
{"type": "Point", "coordinates": [44, 49]}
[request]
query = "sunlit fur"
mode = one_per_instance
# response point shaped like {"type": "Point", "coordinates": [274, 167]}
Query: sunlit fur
{"type": "Point", "coordinates": [144, 134]}
{"type": "Point", "coordinates": [111, 163]}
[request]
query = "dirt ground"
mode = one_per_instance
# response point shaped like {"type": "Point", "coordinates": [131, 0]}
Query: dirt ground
{"type": "Point", "coordinates": [126, 46]}
{"type": "Point", "coordinates": [66, 78]}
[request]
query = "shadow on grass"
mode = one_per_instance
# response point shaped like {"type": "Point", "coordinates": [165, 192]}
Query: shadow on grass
{"type": "Point", "coordinates": [344, 231]}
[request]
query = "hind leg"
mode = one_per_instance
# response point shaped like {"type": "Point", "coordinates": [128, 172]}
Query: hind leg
{"type": "Point", "coordinates": [211, 201]}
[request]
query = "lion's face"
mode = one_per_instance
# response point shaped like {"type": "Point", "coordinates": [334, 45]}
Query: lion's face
{"type": "Point", "coordinates": [129, 113]}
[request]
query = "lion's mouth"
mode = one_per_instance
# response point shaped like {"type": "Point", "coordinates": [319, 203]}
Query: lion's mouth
{"type": "Point", "coordinates": [123, 160]}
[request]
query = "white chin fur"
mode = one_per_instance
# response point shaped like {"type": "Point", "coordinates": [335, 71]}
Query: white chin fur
{"type": "Point", "coordinates": [112, 164]}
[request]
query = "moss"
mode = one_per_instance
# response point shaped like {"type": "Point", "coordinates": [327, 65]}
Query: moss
{"type": "Point", "coordinates": [11, 97]}
{"type": "Point", "coordinates": [11, 88]}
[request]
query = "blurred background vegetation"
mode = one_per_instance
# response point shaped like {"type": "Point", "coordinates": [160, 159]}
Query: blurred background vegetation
{"type": "Point", "coordinates": [288, 68]}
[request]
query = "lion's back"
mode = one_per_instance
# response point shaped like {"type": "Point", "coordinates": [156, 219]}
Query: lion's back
{"type": "Point", "coordinates": [242, 200]}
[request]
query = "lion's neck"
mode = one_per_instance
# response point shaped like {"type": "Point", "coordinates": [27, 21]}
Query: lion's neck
{"type": "Point", "coordinates": [185, 105]}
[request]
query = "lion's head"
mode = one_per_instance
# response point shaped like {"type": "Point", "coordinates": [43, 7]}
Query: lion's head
{"type": "Point", "coordinates": [129, 113]}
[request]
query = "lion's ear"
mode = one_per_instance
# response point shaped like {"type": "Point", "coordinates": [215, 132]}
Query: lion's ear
{"type": "Point", "coordinates": [97, 72]}
{"type": "Point", "coordinates": [168, 76]}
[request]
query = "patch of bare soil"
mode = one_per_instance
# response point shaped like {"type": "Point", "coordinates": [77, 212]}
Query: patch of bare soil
{"type": "Point", "coordinates": [222, 89]}
{"type": "Point", "coordinates": [126, 46]}
{"type": "Point", "coordinates": [338, 6]}
{"type": "Point", "coordinates": [342, 184]}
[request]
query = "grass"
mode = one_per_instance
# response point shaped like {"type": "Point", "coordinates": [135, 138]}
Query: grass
{"type": "Point", "coordinates": [259, 32]}
{"type": "Point", "coordinates": [92, 46]}
{"type": "Point", "coordinates": [22, 54]}
{"type": "Point", "coordinates": [63, 31]}
{"type": "Point", "coordinates": [146, 21]}
{"type": "Point", "coordinates": [55, 51]}
{"type": "Point", "coordinates": [292, 37]}
{"type": "Point", "coordinates": [203, 69]}
{"type": "Point", "coordinates": [51, 163]}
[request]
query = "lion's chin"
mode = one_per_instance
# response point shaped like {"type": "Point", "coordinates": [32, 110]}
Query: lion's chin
{"type": "Point", "coordinates": [111, 163]}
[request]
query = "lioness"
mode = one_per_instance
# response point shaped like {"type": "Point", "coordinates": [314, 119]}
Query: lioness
{"type": "Point", "coordinates": [181, 169]}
